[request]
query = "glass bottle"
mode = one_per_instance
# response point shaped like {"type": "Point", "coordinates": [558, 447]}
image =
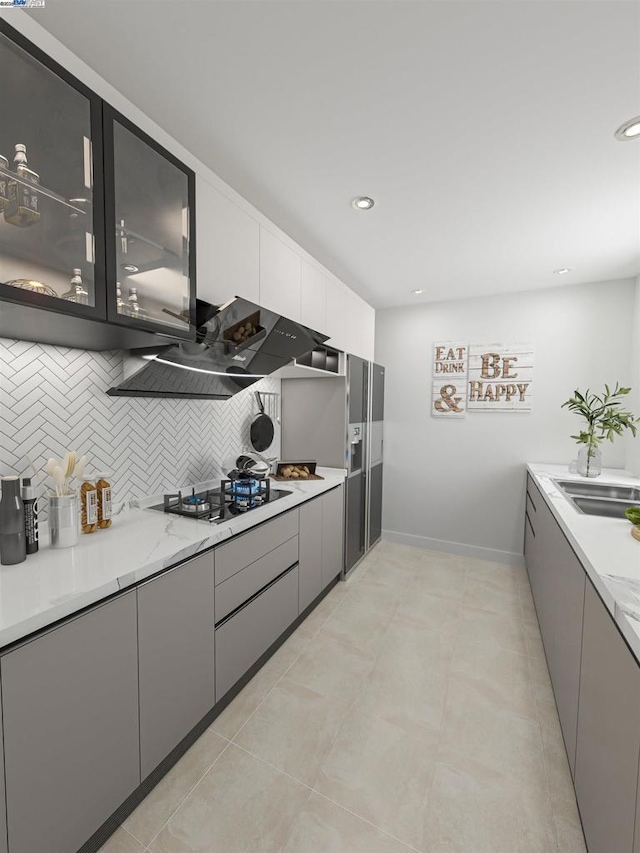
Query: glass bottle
{"type": "Point", "coordinates": [23, 208]}
{"type": "Point", "coordinates": [104, 500]}
{"type": "Point", "coordinates": [88, 506]}
{"type": "Point", "coordinates": [134, 306]}
{"type": "Point", "coordinates": [121, 305]}
{"type": "Point", "coordinates": [4, 184]}
{"type": "Point", "coordinates": [77, 292]}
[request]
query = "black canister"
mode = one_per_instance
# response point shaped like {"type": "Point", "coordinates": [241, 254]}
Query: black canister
{"type": "Point", "coordinates": [13, 541]}
{"type": "Point", "coordinates": [30, 515]}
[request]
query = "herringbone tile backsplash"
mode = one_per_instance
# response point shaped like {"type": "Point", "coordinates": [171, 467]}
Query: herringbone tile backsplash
{"type": "Point", "coordinates": [54, 399]}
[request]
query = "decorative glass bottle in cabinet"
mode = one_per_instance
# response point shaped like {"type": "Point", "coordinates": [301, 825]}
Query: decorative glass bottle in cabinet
{"type": "Point", "coordinates": [51, 214]}
{"type": "Point", "coordinates": [150, 207]}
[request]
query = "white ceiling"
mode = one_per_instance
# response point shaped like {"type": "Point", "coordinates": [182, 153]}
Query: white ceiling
{"type": "Point", "coordinates": [484, 130]}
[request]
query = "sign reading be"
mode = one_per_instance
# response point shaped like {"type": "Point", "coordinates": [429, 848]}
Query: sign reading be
{"type": "Point", "coordinates": [484, 377]}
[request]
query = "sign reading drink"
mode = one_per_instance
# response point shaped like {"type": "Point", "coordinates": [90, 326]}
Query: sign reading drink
{"type": "Point", "coordinates": [484, 377]}
{"type": "Point", "coordinates": [449, 393]}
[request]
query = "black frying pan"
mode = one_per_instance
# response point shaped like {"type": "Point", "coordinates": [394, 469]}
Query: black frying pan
{"type": "Point", "coordinates": [261, 429]}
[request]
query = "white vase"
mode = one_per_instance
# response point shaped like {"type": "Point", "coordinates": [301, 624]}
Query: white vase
{"type": "Point", "coordinates": [589, 461]}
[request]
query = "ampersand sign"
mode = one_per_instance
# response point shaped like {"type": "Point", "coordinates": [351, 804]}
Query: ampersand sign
{"type": "Point", "coordinates": [448, 403]}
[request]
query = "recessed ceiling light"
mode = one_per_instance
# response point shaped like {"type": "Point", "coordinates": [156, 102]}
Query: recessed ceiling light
{"type": "Point", "coordinates": [362, 202]}
{"type": "Point", "coordinates": [130, 268]}
{"type": "Point", "coordinates": [417, 291]}
{"type": "Point", "coordinates": [629, 130]}
{"type": "Point", "coordinates": [563, 270]}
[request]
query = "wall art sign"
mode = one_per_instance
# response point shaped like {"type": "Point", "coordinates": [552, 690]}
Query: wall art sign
{"type": "Point", "coordinates": [450, 369]}
{"type": "Point", "coordinates": [493, 377]}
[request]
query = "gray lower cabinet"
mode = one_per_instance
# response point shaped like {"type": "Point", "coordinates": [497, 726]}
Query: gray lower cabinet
{"type": "Point", "coordinates": [70, 709]}
{"type": "Point", "coordinates": [332, 534]}
{"type": "Point", "coordinates": [243, 637]}
{"type": "Point", "coordinates": [558, 585]}
{"type": "Point", "coordinates": [176, 658]}
{"type": "Point", "coordinates": [3, 803]}
{"type": "Point", "coordinates": [310, 551]}
{"type": "Point", "coordinates": [608, 733]}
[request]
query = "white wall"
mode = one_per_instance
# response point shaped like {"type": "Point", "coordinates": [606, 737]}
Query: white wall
{"type": "Point", "coordinates": [459, 485]}
{"type": "Point", "coordinates": [633, 444]}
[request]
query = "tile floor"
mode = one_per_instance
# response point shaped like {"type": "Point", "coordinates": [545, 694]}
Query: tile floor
{"type": "Point", "coordinates": [412, 711]}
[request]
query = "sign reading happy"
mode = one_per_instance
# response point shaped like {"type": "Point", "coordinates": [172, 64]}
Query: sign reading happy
{"type": "Point", "coordinates": [484, 377]}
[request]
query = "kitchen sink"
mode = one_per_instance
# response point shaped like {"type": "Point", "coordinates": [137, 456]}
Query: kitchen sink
{"type": "Point", "coordinates": [599, 490]}
{"type": "Point", "coordinates": [602, 506]}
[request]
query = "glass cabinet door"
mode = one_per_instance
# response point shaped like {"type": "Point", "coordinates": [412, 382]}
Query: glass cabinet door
{"type": "Point", "coordinates": [150, 225]}
{"type": "Point", "coordinates": [51, 212]}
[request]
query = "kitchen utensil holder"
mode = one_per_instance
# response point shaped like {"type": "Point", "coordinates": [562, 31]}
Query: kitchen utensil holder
{"type": "Point", "coordinates": [64, 520]}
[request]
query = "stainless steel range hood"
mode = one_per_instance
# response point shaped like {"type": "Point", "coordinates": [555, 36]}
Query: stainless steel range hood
{"type": "Point", "coordinates": [237, 344]}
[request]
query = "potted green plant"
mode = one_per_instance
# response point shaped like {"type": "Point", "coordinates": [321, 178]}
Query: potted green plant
{"type": "Point", "coordinates": [605, 418]}
{"type": "Point", "coordinates": [633, 514]}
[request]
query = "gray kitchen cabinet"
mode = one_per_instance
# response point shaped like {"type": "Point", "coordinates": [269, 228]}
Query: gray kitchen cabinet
{"type": "Point", "coordinates": [3, 802]}
{"type": "Point", "coordinates": [246, 635]}
{"type": "Point", "coordinates": [241, 586]}
{"type": "Point", "coordinates": [558, 585]}
{"type": "Point", "coordinates": [332, 534]}
{"type": "Point", "coordinates": [245, 549]}
{"type": "Point", "coordinates": [608, 744]}
{"type": "Point", "coordinates": [176, 658]}
{"type": "Point", "coordinates": [70, 713]}
{"type": "Point", "coordinates": [311, 557]}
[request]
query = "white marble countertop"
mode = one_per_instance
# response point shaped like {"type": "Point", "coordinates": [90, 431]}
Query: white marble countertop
{"type": "Point", "coordinates": [58, 582]}
{"type": "Point", "coordinates": [610, 555]}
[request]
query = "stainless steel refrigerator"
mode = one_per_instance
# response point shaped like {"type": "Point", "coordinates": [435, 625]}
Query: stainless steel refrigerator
{"type": "Point", "coordinates": [338, 422]}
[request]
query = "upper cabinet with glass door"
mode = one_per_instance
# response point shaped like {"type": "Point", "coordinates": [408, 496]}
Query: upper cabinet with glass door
{"type": "Point", "coordinates": [150, 215]}
{"type": "Point", "coordinates": [51, 210]}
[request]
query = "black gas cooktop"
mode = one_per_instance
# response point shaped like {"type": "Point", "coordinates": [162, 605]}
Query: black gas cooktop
{"type": "Point", "coordinates": [233, 498]}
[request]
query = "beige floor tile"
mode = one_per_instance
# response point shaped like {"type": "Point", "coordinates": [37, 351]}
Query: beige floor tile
{"type": "Point", "coordinates": [445, 578]}
{"type": "Point", "coordinates": [375, 596]}
{"type": "Point", "coordinates": [358, 624]}
{"type": "Point", "coordinates": [510, 578]}
{"type": "Point", "coordinates": [429, 610]}
{"type": "Point", "coordinates": [392, 573]}
{"type": "Point", "coordinates": [382, 772]}
{"type": "Point", "coordinates": [331, 668]}
{"type": "Point", "coordinates": [568, 828]}
{"type": "Point", "coordinates": [154, 811]}
{"type": "Point", "coordinates": [491, 629]}
{"type": "Point", "coordinates": [240, 806]}
{"type": "Point", "coordinates": [319, 615]}
{"type": "Point", "coordinates": [410, 677]}
{"type": "Point", "coordinates": [502, 672]}
{"type": "Point", "coordinates": [478, 724]}
{"type": "Point", "coordinates": [236, 714]}
{"type": "Point", "coordinates": [476, 809]}
{"type": "Point", "coordinates": [541, 679]}
{"type": "Point", "coordinates": [485, 592]}
{"type": "Point", "coordinates": [121, 842]}
{"type": "Point", "coordinates": [324, 827]}
{"type": "Point", "coordinates": [293, 729]}
{"type": "Point", "coordinates": [288, 652]}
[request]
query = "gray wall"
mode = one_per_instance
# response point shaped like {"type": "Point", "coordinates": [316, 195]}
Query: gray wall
{"type": "Point", "coordinates": [459, 485]}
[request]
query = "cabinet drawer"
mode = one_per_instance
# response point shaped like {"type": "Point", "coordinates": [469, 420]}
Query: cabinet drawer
{"type": "Point", "coordinates": [245, 583]}
{"type": "Point", "coordinates": [246, 549]}
{"type": "Point", "coordinates": [244, 637]}
{"type": "Point", "coordinates": [531, 511]}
